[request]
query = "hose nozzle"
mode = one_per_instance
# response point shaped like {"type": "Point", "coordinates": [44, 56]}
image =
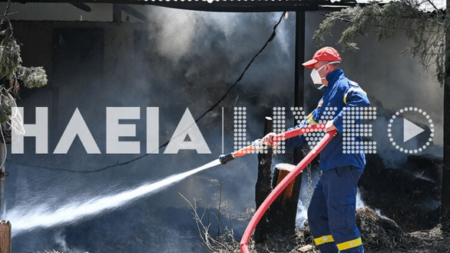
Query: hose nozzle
{"type": "Point", "coordinates": [226, 158]}
{"type": "Point", "coordinates": [258, 146]}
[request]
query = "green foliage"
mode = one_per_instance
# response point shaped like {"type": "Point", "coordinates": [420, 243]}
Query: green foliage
{"type": "Point", "coordinates": [12, 72]}
{"type": "Point", "coordinates": [32, 77]}
{"type": "Point", "coordinates": [5, 112]}
{"type": "Point", "coordinates": [10, 63]}
{"type": "Point", "coordinates": [9, 55]}
{"type": "Point", "coordinates": [425, 31]}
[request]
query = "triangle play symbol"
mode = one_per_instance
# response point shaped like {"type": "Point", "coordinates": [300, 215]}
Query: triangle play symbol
{"type": "Point", "coordinates": [410, 130]}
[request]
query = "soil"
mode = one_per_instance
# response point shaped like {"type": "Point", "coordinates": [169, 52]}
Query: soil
{"type": "Point", "coordinates": [429, 241]}
{"type": "Point", "coordinates": [382, 235]}
{"type": "Point", "coordinates": [379, 235]}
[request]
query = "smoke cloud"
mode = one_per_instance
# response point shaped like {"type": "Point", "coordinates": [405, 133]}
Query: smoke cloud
{"type": "Point", "coordinates": [178, 60]}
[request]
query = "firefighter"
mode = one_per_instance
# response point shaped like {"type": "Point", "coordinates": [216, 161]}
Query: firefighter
{"type": "Point", "coordinates": [332, 211]}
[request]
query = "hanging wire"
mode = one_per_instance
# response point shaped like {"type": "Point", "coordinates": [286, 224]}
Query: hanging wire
{"type": "Point", "coordinates": [272, 36]}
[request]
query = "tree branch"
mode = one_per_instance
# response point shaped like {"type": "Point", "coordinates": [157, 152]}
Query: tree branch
{"type": "Point", "coordinates": [5, 14]}
{"type": "Point", "coordinates": [434, 6]}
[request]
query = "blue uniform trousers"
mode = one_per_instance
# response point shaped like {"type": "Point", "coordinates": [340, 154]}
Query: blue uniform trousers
{"type": "Point", "coordinates": [332, 211]}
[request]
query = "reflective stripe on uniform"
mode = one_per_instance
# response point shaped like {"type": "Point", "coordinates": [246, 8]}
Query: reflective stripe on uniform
{"type": "Point", "coordinates": [310, 119]}
{"type": "Point", "coordinates": [353, 89]}
{"type": "Point", "coordinates": [323, 239]}
{"type": "Point", "coordinates": [349, 244]}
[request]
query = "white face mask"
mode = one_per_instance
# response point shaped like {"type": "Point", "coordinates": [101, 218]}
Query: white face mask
{"type": "Point", "coordinates": [315, 76]}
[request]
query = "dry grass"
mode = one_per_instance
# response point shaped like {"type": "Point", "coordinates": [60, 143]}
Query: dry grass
{"type": "Point", "coordinates": [379, 234]}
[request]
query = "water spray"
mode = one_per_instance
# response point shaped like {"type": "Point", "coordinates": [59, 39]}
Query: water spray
{"type": "Point", "coordinates": [256, 145]}
{"type": "Point", "coordinates": [26, 219]}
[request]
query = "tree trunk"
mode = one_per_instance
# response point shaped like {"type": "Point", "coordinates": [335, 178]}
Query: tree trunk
{"type": "Point", "coordinates": [284, 208]}
{"type": "Point", "coordinates": [282, 214]}
{"type": "Point", "coordinates": [263, 188]}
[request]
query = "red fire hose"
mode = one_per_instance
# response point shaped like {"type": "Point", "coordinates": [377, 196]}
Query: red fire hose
{"type": "Point", "coordinates": [279, 137]}
{"type": "Point", "coordinates": [285, 182]}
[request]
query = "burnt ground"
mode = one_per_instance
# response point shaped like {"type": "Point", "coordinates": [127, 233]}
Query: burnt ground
{"type": "Point", "coordinates": [408, 194]}
{"type": "Point", "coordinates": [381, 235]}
{"type": "Point", "coordinates": [429, 241]}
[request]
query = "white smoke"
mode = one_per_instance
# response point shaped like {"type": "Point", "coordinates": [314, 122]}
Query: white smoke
{"type": "Point", "coordinates": [359, 202]}
{"type": "Point", "coordinates": [302, 211]}
{"type": "Point", "coordinates": [181, 33]}
{"type": "Point", "coordinates": [177, 30]}
{"type": "Point", "coordinates": [60, 239]}
{"type": "Point", "coordinates": [302, 216]}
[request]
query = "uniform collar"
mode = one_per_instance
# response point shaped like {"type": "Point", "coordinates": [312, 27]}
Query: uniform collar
{"type": "Point", "coordinates": [334, 76]}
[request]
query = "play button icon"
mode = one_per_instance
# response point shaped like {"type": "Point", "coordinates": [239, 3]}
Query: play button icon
{"type": "Point", "coordinates": [410, 130]}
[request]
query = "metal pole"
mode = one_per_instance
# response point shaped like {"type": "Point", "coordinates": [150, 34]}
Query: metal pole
{"type": "Point", "coordinates": [2, 176]}
{"type": "Point", "coordinates": [445, 198]}
{"type": "Point", "coordinates": [2, 168]}
{"type": "Point", "coordinates": [299, 87]}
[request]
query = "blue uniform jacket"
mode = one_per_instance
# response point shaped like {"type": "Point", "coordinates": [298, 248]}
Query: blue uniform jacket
{"type": "Point", "coordinates": [341, 93]}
